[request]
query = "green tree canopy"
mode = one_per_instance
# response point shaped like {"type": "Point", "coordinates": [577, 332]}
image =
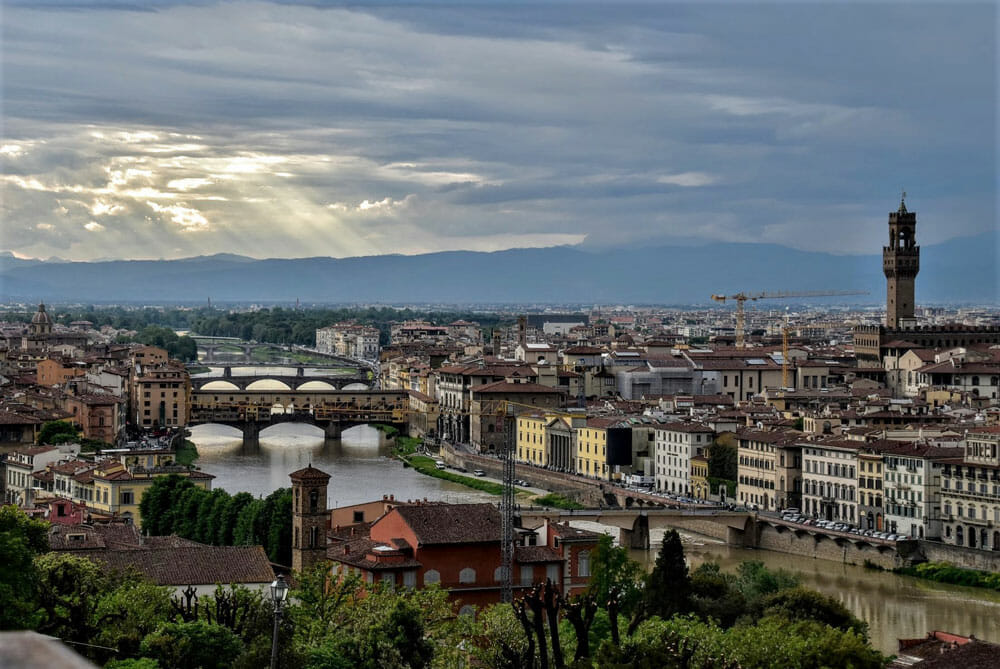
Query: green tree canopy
{"type": "Point", "coordinates": [58, 432]}
{"type": "Point", "coordinates": [21, 540]}
{"type": "Point", "coordinates": [193, 645]}
{"type": "Point", "coordinates": [668, 585]}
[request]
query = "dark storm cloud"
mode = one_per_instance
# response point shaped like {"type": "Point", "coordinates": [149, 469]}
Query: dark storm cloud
{"type": "Point", "coordinates": [297, 128]}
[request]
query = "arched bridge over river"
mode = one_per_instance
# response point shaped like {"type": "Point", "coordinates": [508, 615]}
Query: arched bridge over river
{"type": "Point", "coordinates": [251, 411]}
{"type": "Point", "coordinates": [748, 530]}
{"type": "Point", "coordinates": [276, 372]}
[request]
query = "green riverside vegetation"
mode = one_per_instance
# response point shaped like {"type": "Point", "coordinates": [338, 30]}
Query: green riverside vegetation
{"type": "Point", "coordinates": [187, 453]}
{"type": "Point", "coordinates": [942, 572]}
{"type": "Point", "coordinates": [557, 501]}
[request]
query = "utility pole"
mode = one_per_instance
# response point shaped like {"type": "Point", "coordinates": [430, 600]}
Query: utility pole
{"type": "Point", "coordinates": [507, 502]}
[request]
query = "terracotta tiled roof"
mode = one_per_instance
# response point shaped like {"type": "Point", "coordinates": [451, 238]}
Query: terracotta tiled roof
{"type": "Point", "coordinates": [450, 524]}
{"type": "Point", "coordinates": [535, 554]}
{"type": "Point", "coordinates": [309, 473]}
{"type": "Point", "coordinates": [191, 565]}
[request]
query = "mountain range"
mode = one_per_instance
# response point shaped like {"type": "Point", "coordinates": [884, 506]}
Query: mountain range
{"type": "Point", "coordinates": [961, 270]}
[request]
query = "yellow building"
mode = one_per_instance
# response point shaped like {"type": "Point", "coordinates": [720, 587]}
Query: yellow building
{"type": "Point", "coordinates": [592, 447]}
{"type": "Point", "coordinates": [699, 477]}
{"type": "Point", "coordinates": [118, 490]}
{"type": "Point", "coordinates": [531, 439]}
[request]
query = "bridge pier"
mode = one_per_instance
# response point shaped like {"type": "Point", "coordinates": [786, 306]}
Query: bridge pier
{"type": "Point", "coordinates": [227, 372]}
{"type": "Point", "coordinates": [332, 430]}
{"type": "Point", "coordinates": [251, 433]}
{"type": "Point", "coordinates": [638, 536]}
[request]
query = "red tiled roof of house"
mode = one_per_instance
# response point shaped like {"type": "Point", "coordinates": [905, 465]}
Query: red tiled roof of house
{"type": "Point", "coordinates": [190, 565]}
{"type": "Point", "coordinates": [451, 523]}
{"type": "Point", "coordinates": [535, 554]}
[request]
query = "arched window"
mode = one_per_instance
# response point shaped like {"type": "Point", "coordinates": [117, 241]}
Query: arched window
{"type": "Point", "coordinates": [498, 574]}
{"type": "Point", "coordinates": [467, 610]}
{"type": "Point", "coordinates": [432, 576]}
{"type": "Point", "coordinates": [313, 500]}
{"type": "Point", "coordinates": [959, 536]}
{"type": "Point", "coordinates": [467, 575]}
{"type": "Point", "coordinates": [583, 564]}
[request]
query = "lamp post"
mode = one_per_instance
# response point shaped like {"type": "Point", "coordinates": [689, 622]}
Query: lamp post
{"type": "Point", "coordinates": [279, 593]}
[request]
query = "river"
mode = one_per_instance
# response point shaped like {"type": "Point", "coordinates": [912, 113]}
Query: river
{"type": "Point", "coordinates": [360, 469]}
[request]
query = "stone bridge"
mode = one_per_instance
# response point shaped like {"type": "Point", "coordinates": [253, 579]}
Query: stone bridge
{"type": "Point", "coordinates": [743, 529]}
{"type": "Point", "coordinates": [292, 382]}
{"type": "Point", "coordinates": [251, 411]}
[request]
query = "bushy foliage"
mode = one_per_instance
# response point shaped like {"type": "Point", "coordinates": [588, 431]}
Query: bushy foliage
{"type": "Point", "coordinates": [192, 645]}
{"type": "Point", "coordinates": [21, 540]}
{"type": "Point", "coordinates": [58, 432]}
{"type": "Point", "coordinates": [942, 572]}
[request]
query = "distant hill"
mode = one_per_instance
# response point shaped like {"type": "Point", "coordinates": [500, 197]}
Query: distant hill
{"type": "Point", "coordinates": [960, 270]}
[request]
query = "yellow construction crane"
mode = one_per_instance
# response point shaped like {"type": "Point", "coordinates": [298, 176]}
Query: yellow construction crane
{"type": "Point", "coordinates": [740, 298]}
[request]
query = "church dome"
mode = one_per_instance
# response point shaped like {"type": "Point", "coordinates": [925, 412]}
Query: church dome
{"type": "Point", "coordinates": [40, 317]}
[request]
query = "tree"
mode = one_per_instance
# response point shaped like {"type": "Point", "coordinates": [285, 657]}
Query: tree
{"type": "Point", "coordinates": [613, 572]}
{"type": "Point", "coordinates": [722, 461]}
{"type": "Point", "coordinates": [160, 505]}
{"type": "Point", "coordinates": [193, 645]}
{"type": "Point", "coordinates": [57, 432]}
{"type": "Point", "coordinates": [129, 612]}
{"type": "Point", "coordinates": [714, 595]}
{"type": "Point", "coordinates": [69, 590]}
{"type": "Point", "coordinates": [21, 540]}
{"type": "Point", "coordinates": [803, 604]}
{"type": "Point", "coordinates": [668, 586]}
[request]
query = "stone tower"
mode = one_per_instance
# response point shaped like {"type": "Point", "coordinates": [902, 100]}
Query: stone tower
{"type": "Point", "coordinates": [901, 262]}
{"type": "Point", "coordinates": [309, 517]}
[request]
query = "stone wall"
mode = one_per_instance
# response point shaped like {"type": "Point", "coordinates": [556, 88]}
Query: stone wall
{"type": "Point", "coordinates": [824, 547]}
{"type": "Point", "coordinates": [969, 558]}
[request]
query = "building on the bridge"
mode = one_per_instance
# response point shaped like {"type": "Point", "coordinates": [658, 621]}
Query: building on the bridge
{"type": "Point", "coordinates": [970, 492]}
{"type": "Point", "coordinates": [769, 469]}
{"type": "Point", "coordinates": [458, 547]}
{"type": "Point", "coordinates": [160, 394]}
{"type": "Point", "coordinates": [674, 446]}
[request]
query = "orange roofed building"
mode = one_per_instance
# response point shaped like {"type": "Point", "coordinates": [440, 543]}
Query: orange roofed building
{"type": "Point", "coordinates": [458, 547]}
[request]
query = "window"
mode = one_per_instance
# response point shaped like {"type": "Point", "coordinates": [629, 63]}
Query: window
{"type": "Point", "coordinates": [498, 574]}
{"type": "Point", "coordinates": [127, 497]}
{"type": "Point", "coordinates": [432, 576]}
{"type": "Point", "coordinates": [359, 516]}
{"type": "Point", "coordinates": [467, 575]}
{"type": "Point", "coordinates": [527, 574]}
{"type": "Point", "coordinates": [583, 564]}
{"type": "Point", "coordinates": [552, 573]}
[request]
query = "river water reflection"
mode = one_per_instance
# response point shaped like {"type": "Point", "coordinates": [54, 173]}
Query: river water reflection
{"type": "Point", "coordinates": [360, 469]}
{"type": "Point", "coordinates": [358, 463]}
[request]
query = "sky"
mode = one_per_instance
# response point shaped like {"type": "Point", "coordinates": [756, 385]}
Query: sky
{"type": "Point", "coordinates": [284, 129]}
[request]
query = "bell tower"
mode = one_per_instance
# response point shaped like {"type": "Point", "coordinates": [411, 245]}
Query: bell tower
{"type": "Point", "coordinates": [309, 517]}
{"type": "Point", "coordinates": [900, 263]}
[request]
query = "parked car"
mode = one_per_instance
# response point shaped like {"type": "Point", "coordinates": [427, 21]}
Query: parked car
{"type": "Point", "coordinates": [479, 472]}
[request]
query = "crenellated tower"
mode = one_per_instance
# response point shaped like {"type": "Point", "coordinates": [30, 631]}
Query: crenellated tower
{"type": "Point", "coordinates": [901, 262]}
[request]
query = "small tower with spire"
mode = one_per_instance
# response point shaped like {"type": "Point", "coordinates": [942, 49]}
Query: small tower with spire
{"type": "Point", "coordinates": [900, 263]}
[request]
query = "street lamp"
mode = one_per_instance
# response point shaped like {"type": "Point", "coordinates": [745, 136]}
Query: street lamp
{"type": "Point", "coordinates": [279, 593]}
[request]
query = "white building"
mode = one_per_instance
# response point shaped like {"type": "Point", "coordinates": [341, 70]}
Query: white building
{"type": "Point", "coordinates": [912, 489]}
{"type": "Point", "coordinates": [829, 479]}
{"type": "Point", "coordinates": [674, 444]}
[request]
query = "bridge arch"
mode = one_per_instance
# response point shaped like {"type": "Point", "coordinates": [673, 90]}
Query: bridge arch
{"type": "Point", "coordinates": [220, 385]}
{"type": "Point", "coordinates": [356, 386]}
{"type": "Point", "coordinates": [268, 384]}
{"type": "Point", "coordinates": [316, 385]}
